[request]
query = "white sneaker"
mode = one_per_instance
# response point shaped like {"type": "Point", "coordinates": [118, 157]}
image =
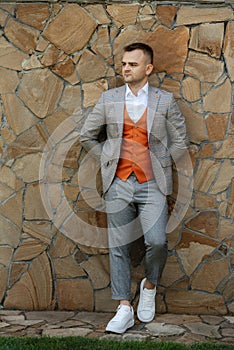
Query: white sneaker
{"type": "Point", "coordinates": [123, 320]}
{"type": "Point", "coordinates": [146, 305]}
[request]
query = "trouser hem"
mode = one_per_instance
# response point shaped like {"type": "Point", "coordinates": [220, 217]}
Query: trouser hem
{"type": "Point", "coordinates": [121, 298]}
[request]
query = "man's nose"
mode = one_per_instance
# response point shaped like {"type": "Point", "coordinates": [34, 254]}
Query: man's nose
{"type": "Point", "coordinates": [126, 67]}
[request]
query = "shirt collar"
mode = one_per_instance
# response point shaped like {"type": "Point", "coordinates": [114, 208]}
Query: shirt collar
{"type": "Point", "coordinates": [143, 90]}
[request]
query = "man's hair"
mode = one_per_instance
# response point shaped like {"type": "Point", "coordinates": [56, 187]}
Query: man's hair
{"type": "Point", "coordinates": [140, 46]}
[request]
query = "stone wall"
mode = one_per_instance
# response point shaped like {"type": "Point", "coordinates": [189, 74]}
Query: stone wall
{"type": "Point", "coordinates": [55, 60]}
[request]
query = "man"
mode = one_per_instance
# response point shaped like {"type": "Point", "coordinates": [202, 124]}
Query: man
{"type": "Point", "coordinates": [144, 132]}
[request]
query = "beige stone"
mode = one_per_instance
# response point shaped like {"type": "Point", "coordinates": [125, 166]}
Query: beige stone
{"type": "Point", "coordinates": [205, 201]}
{"type": "Point", "coordinates": [34, 15]}
{"type": "Point", "coordinates": [97, 268]}
{"type": "Point", "coordinates": [67, 267]}
{"type": "Point", "coordinates": [91, 67]}
{"type": "Point", "coordinates": [7, 134]}
{"type": "Point", "coordinates": [10, 8]}
{"type": "Point", "coordinates": [54, 120]}
{"type": "Point", "coordinates": [192, 15]}
{"type": "Point", "coordinates": [92, 92]}
{"type": "Point", "coordinates": [67, 332]}
{"type": "Point", "coordinates": [166, 14]}
{"type": "Point", "coordinates": [104, 302]}
{"type": "Point", "coordinates": [71, 100]}
{"type": "Point", "coordinates": [41, 90]}
{"type": "Point", "coordinates": [191, 89]}
{"type": "Point", "coordinates": [34, 208]}
{"type": "Point", "coordinates": [22, 36]}
{"type": "Point", "coordinates": [88, 200]}
{"type": "Point", "coordinates": [72, 157]}
{"type": "Point", "coordinates": [102, 45]}
{"type": "Point", "coordinates": [8, 80]}
{"type": "Point", "coordinates": [99, 13]}
{"type": "Point", "coordinates": [226, 228]}
{"type": "Point", "coordinates": [147, 22]}
{"type": "Point", "coordinates": [192, 256]}
{"type": "Point", "coordinates": [54, 173]}
{"type": "Point", "coordinates": [172, 272]}
{"type": "Point", "coordinates": [8, 177]}
{"type": "Point", "coordinates": [95, 219]}
{"type": "Point", "coordinates": [207, 151]}
{"type": "Point", "coordinates": [62, 31]}
{"type": "Point", "coordinates": [4, 276]}
{"type": "Point", "coordinates": [31, 141]}
{"type": "Point", "coordinates": [226, 288]}
{"type": "Point", "coordinates": [188, 237]}
{"type": "Point", "coordinates": [209, 276]}
{"type": "Point", "coordinates": [67, 70]}
{"type": "Point", "coordinates": [171, 86]}
{"type": "Point", "coordinates": [205, 222]}
{"type": "Point", "coordinates": [216, 126]}
{"type": "Point", "coordinates": [229, 49]}
{"type": "Point", "coordinates": [14, 110]}
{"type": "Point", "coordinates": [27, 167]}
{"type": "Point", "coordinates": [39, 230]}
{"type": "Point", "coordinates": [146, 10]}
{"type": "Point", "coordinates": [194, 122]}
{"type": "Point", "coordinates": [9, 233]}
{"type": "Point", "coordinates": [50, 56]}
{"type": "Point", "coordinates": [10, 56]}
{"type": "Point", "coordinates": [42, 44]}
{"type": "Point", "coordinates": [194, 303]}
{"type": "Point", "coordinates": [208, 38]}
{"type": "Point", "coordinates": [34, 290]}
{"type": "Point", "coordinates": [5, 255]}
{"type": "Point", "coordinates": [205, 174]}
{"type": "Point", "coordinates": [55, 194]}
{"type": "Point", "coordinates": [28, 249]}
{"type": "Point", "coordinates": [230, 209]}
{"type": "Point", "coordinates": [173, 45]}
{"type": "Point", "coordinates": [5, 192]}
{"type": "Point", "coordinates": [32, 63]}
{"type": "Point", "coordinates": [12, 210]}
{"type": "Point", "coordinates": [75, 294]}
{"type": "Point", "coordinates": [224, 179]}
{"type": "Point", "coordinates": [218, 100]}
{"type": "Point", "coordinates": [123, 14]}
{"type": "Point", "coordinates": [227, 148]}
{"type": "Point", "coordinates": [61, 247]}
{"type": "Point", "coordinates": [203, 67]}
{"type": "Point", "coordinates": [17, 270]}
{"type": "Point", "coordinates": [3, 17]}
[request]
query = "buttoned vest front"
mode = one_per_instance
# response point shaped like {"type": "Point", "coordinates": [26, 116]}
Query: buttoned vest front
{"type": "Point", "coordinates": [135, 156]}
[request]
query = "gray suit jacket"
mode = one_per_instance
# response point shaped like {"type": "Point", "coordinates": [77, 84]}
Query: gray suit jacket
{"type": "Point", "coordinates": [167, 136]}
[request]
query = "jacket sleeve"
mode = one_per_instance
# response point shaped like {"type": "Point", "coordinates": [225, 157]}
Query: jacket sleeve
{"type": "Point", "coordinates": [176, 128]}
{"type": "Point", "coordinates": [92, 128]}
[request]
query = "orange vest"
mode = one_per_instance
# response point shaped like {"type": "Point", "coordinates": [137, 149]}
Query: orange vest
{"type": "Point", "coordinates": [134, 156]}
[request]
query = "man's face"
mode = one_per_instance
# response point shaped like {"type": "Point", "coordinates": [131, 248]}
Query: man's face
{"type": "Point", "coordinates": [136, 67]}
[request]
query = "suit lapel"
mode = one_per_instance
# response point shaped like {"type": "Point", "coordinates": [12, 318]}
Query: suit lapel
{"type": "Point", "coordinates": [153, 100]}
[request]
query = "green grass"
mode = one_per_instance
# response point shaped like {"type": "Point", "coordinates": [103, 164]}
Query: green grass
{"type": "Point", "coordinates": [74, 343]}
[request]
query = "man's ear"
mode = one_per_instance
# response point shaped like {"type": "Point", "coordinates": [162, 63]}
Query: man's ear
{"type": "Point", "coordinates": [149, 69]}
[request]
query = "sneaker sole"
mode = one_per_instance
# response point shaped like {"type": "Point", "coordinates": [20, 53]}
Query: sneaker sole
{"type": "Point", "coordinates": [120, 331]}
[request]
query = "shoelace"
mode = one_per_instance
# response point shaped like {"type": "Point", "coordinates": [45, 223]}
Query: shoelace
{"type": "Point", "coordinates": [148, 302]}
{"type": "Point", "coordinates": [120, 312]}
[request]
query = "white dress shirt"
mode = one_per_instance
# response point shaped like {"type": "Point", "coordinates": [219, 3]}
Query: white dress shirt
{"type": "Point", "coordinates": [136, 105]}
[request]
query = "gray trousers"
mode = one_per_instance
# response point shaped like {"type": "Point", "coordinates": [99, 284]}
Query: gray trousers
{"type": "Point", "coordinates": [133, 209]}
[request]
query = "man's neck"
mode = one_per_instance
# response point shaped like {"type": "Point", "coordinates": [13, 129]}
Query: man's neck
{"type": "Point", "coordinates": [135, 88]}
